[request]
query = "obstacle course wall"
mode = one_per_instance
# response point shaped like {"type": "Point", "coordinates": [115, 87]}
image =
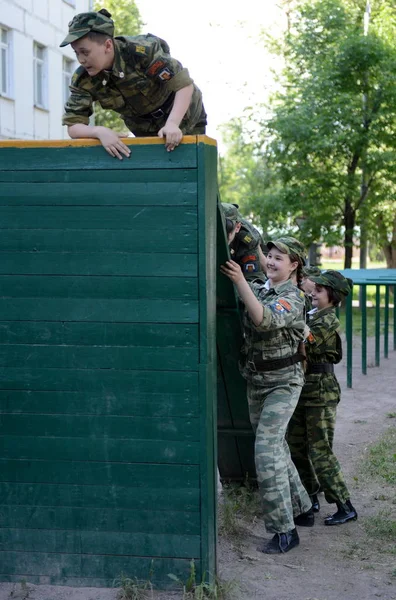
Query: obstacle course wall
{"type": "Point", "coordinates": [107, 362]}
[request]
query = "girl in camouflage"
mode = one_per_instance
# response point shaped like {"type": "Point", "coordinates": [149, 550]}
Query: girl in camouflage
{"type": "Point", "coordinates": [273, 326]}
{"type": "Point", "coordinates": [311, 429]}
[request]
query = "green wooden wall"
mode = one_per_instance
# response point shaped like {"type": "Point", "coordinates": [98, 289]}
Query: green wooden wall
{"type": "Point", "coordinates": [107, 362]}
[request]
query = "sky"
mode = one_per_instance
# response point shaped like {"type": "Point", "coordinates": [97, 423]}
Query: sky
{"type": "Point", "coordinates": [219, 42]}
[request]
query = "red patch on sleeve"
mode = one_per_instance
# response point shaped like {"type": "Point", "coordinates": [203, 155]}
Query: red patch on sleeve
{"type": "Point", "coordinates": [285, 304]}
{"type": "Point", "coordinates": [249, 258]}
{"type": "Point", "coordinates": [310, 338]}
{"type": "Point", "coordinates": [157, 66]}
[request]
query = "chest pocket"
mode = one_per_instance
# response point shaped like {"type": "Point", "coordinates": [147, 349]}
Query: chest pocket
{"type": "Point", "coordinates": [114, 102]}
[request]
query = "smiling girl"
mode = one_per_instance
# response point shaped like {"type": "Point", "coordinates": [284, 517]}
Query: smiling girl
{"type": "Point", "coordinates": [273, 326]}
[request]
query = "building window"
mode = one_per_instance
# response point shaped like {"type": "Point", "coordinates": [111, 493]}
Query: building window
{"type": "Point", "coordinates": [5, 61]}
{"type": "Point", "coordinates": [40, 75]}
{"type": "Point", "coordinates": [71, 2]}
{"type": "Point", "coordinates": [68, 68]}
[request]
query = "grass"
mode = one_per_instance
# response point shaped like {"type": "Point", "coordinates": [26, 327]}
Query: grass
{"type": "Point", "coordinates": [380, 461]}
{"type": "Point", "coordinates": [381, 526]}
{"type": "Point", "coordinates": [217, 590]}
{"type": "Point", "coordinates": [133, 588]}
{"type": "Point", "coordinates": [240, 502]}
{"type": "Point", "coordinates": [357, 322]}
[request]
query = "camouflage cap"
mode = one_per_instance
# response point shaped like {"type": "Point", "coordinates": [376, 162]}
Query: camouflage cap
{"type": "Point", "coordinates": [84, 23]}
{"type": "Point", "coordinates": [309, 271]}
{"type": "Point", "coordinates": [231, 212]}
{"type": "Point", "coordinates": [289, 245]}
{"type": "Point", "coordinates": [335, 280]}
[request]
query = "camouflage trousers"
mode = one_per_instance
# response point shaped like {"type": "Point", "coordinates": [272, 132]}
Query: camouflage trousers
{"type": "Point", "coordinates": [282, 493]}
{"type": "Point", "coordinates": [310, 437]}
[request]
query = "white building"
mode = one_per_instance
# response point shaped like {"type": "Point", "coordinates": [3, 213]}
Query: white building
{"type": "Point", "coordinates": [34, 71]}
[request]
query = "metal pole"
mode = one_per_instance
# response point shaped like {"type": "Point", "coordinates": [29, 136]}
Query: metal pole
{"type": "Point", "coordinates": [348, 332]}
{"type": "Point", "coordinates": [377, 325]}
{"type": "Point", "coordinates": [386, 322]}
{"type": "Point", "coordinates": [363, 296]}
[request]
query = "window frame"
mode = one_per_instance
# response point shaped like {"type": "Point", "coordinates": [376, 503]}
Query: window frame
{"type": "Point", "coordinates": [66, 76]}
{"type": "Point", "coordinates": [43, 63]}
{"type": "Point", "coordinates": [7, 47]}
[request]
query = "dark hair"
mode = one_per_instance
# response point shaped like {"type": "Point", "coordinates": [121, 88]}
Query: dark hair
{"type": "Point", "coordinates": [99, 38]}
{"type": "Point", "coordinates": [230, 226]}
{"type": "Point", "coordinates": [334, 296]}
{"type": "Point", "coordinates": [299, 270]}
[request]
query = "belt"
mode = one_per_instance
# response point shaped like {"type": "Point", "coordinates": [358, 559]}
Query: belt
{"type": "Point", "coordinates": [320, 368]}
{"type": "Point", "coordinates": [257, 364]}
{"type": "Point", "coordinates": [162, 111]}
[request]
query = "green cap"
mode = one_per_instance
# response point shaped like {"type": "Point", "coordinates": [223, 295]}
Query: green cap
{"type": "Point", "coordinates": [289, 245]}
{"type": "Point", "coordinates": [84, 23]}
{"type": "Point", "coordinates": [308, 271]}
{"type": "Point", "coordinates": [335, 280]}
{"type": "Point", "coordinates": [231, 212]}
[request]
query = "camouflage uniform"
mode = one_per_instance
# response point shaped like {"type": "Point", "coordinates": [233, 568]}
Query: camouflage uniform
{"type": "Point", "coordinates": [272, 397]}
{"type": "Point", "coordinates": [311, 429]}
{"type": "Point", "coordinates": [244, 248]}
{"type": "Point", "coordinates": [140, 87]}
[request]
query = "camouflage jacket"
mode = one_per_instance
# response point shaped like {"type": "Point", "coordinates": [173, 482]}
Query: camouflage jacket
{"type": "Point", "coordinates": [323, 345]}
{"type": "Point", "coordinates": [244, 250]}
{"type": "Point", "coordinates": [277, 336]}
{"type": "Point", "coordinates": [144, 78]}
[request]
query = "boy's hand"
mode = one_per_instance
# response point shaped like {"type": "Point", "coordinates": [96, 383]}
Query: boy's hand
{"type": "Point", "coordinates": [112, 143]}
{"type": "Point", "coordinates": [173, 135]}
{"type": "Point", "coordinates": [233, 271]}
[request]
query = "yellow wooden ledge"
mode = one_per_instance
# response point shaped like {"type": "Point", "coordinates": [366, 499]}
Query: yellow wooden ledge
{"type": "Point", "coordinates": [155, 141]}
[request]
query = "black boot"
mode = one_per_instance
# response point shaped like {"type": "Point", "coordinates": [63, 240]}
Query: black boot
{"type": "Point", "coordinates": [280, 543]}
{"type": "Point", "coordinates": [345, 512]}
{"type": "Point", "coordinates": [315, 503]}
{"type": "Point", "coordinates": [306, 519]}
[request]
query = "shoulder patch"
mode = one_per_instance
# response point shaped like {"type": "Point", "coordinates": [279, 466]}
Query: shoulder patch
{"type": "Point", "coordinates": [286, 305]}
{"type": "Point", "coordinates": [247, 239]}
{"type": "Point", "coordinates": [310, 338]}
{"type": "Point", "coordinates": [277, 307]}
{"type": "Point", "coordinates": [139, 49]}
{"type": "Point", "coordinates": [249, 267]}
{"type": "Point", "coordinates": [249, 258]}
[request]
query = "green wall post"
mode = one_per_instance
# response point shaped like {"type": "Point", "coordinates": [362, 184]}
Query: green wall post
{"type": "Point", "coordinates": [363, 296]}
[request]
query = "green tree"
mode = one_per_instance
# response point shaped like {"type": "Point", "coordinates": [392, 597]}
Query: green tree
{"type": "Point", "coordinates": [334, 118]}
{"type": "Point", "coordinates": [127, 22]}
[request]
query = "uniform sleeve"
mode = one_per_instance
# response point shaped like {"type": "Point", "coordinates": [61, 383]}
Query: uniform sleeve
{"type": "Point", "coordinates": [78, 108]}
{"type": "Point", "coordinates": [283, 311]}
{"type": "Point", "coordinates": [250, 263]}
{"type": "Point", "coordinates": [160, 66]}
{"type": "Point", "coordinates": [321, 332]}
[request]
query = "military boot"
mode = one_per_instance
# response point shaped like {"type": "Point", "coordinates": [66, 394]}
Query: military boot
{"type": "Point", "coordinates": [306, 519]}
{"type": "Point", "coordinates": [345, 512]}
{"type": "Point", "coordinates": [315, 503]}
{"type": "Point", "coordinates": [280, 543]}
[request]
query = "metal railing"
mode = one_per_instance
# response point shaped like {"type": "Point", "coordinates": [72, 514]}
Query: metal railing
{"type": "Point", "coordinates": [363, 278]}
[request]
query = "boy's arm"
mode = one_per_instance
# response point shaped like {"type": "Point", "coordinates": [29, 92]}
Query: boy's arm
{"type": "Point", "coordinates": [109, 139]}
{"type": "Point", "coordinates": [171, 129]}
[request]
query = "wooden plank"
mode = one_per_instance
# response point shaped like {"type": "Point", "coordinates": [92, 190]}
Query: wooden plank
{"type": "Point", "coordinates": [110, 427]}
{"type": "Point", "coordinates": [135, 402]}
{"type": "Point", "coordinates": [89, 570]}
{"type": "Point", "coordinates": [95, 159]}
{"type": "Point", "coordinates": [91, 473]}
{"type": "Point", "coordinates": [100, 542]}
{"type": "Point", "coordinates": [97, 263]}
{"type": "Point", "coordinates": [100, 357]}
{"type": "Point", "coordinates": [111, 497]}
{"type": "Point", "coordinates": [170, 240]}
{"type": "Point", "coordinates": [98, 217]}
{"type": "Point", "coordinates": [106, 381]}
{"type": "Point", "coordinates": [72, 309]}
{"type": "Point", "coordinates": [47, 286]}
{"type": "Point", "coordinates": [161, 335]}
{"type": "Point", "coordinates": [152, 176]}
{"type": "Point", "coordinates": [151, 521]}
{"type": "Point", "coordinates": [109, 194]}
{"type": "Point", "coordinates": [96, 449]}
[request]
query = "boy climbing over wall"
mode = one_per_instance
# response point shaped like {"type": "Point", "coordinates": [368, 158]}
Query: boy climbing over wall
{"type": "Point", "coordinates": [134, 76]}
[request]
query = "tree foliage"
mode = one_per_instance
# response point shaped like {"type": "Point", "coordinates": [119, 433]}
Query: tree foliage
{"type": "Point", "coordinates": [328, 149]}
{"type": "Point", "coordinates": [126, 16]}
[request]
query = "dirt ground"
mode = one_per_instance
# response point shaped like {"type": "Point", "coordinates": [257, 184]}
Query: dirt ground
{"type": "Point", "coordinates": [331, 563]}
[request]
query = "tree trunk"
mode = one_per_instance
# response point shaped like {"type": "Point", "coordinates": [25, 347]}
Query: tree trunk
{"type": "Point", "coordinates": [349, 224]}
{"type": "Point", "coordinates": [390, 255]}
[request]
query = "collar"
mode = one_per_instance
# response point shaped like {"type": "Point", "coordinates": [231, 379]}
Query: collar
{"type": "Point", "coordinates": [280, 287]}
{"type": "Point", "coordinates": [312, 312]}
{"type": "Point", "coordinates": [118, 65]}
